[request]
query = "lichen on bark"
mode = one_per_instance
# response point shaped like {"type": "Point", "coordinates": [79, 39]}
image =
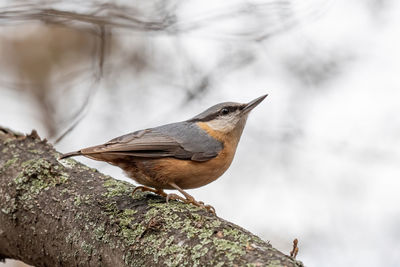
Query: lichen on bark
{"type": "Point", "coordinates": [62, 213]}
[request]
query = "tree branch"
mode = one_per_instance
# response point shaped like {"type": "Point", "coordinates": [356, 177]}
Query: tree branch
{"type": "Point", "coordinates": [66, 214]}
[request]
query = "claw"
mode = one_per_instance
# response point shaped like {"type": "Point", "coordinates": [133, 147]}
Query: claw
{"type": "Point", "coordinates": [210, 209]}
{"type": "Point", "coordinates": [174, 197]}
{"type": "Point", "coordinates": [188, 198]}
{"type": "Point", "coordinates": [202, 205]}
{"type": "Point", "coordinates": [207, 207]}
{"type": "Point", "coordinates": [192, 201]}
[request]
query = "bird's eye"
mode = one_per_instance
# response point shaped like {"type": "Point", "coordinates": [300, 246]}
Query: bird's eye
{"type": "Point", "coordinates": [224, 111]}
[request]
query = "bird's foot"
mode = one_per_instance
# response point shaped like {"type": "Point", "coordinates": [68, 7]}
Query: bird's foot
{"type": "Point", "coordinates": [202, 205]}
{"type": "Point", "coordinates": [174, 197]}
{"type": "Point", "coordinates": [190, 200]}
{"type": "Point", "coordinates": [142, 188]}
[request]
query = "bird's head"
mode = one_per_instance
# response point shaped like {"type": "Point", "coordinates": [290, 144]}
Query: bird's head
{"type": "Point", "coordinates": [227, 117]}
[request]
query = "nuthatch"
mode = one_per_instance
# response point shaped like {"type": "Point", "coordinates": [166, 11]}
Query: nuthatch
{"type": "Point", "coordinates": [181, 155]}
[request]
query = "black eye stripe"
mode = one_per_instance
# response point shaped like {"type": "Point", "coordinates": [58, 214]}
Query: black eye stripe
{"type": "Point", "coordinates": [229, 109]}
{"type": "Point", "coordinates": [216, 111]}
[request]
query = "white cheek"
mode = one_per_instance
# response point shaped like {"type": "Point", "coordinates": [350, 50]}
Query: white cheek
{"type": "Point", "coordinates": [223, 125]}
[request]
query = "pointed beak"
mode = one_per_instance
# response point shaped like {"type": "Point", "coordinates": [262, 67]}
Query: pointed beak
{"type": "Point", "coordinates": [249, 106]}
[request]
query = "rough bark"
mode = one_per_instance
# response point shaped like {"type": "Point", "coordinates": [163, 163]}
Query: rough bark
{"type": "Point", "coordinates": [63, 213]}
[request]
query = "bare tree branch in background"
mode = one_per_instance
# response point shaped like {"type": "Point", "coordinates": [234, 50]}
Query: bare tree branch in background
{"type": "Point", "coordinates": [57, 54]}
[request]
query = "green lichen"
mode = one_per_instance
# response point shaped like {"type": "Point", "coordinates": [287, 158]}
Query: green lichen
{"type": "Point", "coordinates": [174, 206]}
{"type": "Point", "coordinates": [116, 188]}
{"type": "Point", "coordinates": [8, 141]}
{"type": "Point", "coordinates": [129, 230]}
{"type": "Point", "coordinates": [87, 248]}
{"type": "Point", "coordinates": [132, 233]}
{"type": "Point", "coordinates": [87, 168]}
{"type": "Point", "coordinates": [177, 250]}
{"type": "Point", "coordinates": [38, 185]}
{"type": "Point", "coordinates": [77, 201]}
{"type": "Point", "coordinates": [126, 217]}
{"type": "Point", "coordinates": [9, 163]}
{"type": "Point", "coordinates": [35, 151]}
{"type": "Point", "coordinates": [197, 252]}
{"type": "Point", "coordinates": [100, 234]}
{"type": "Point", "coordinates": [38, 175]}
{"type": "Point", "coordinates": [68, 162]}
{"type": "Point", "coordinates": [274, 263]}
{"type": "Point", "coordinates": [161, 249]}
{"type": "Point", "coordinates": [73, 237]}
{"type": "Point", "coordinates": [5, 210]}
{"type": "Point", "coordinates": [30, 145]}
{"type": "Point", "coordinates": [10, 206]}
{"type": "Point", "coordinates": [173, 253]}
{"type": "Point", "coordinates": [236, 235]}
{"type": "Point", "coordinates": [63, 177]}
{"type": "Point", "coordinates": [230, 249]}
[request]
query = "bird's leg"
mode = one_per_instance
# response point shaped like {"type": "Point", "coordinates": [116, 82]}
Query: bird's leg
{"type": "Point", "coordinates": [189, 199]}
{"type": "Point", "coordinates": [157, 191]}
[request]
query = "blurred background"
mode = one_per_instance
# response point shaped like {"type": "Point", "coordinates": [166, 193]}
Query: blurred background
{"type": "Point", "coordinates": [319, 159]}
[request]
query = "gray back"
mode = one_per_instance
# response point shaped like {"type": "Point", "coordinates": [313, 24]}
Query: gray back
{"type": "Point", "coordinates": [192, 138]}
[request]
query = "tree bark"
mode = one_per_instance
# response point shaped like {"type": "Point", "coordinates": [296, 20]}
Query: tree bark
{"type": "Point", "coordinates": [63, 213]}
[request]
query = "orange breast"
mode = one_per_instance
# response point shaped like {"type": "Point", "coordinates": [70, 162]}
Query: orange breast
{"type": "Point", "coordinates": [186, 174]}
{"type": "Point", "coordinates": [192, 174]}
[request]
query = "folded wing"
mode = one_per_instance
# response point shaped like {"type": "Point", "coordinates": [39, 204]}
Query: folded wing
{"type": "Point", "coordinates": [164, 141]}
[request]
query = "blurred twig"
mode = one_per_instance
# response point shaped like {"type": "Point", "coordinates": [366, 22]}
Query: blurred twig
{"type": "Point", "coordinates": [254, 22]}
{"type": "Point", "coordinates": [279, 14]}
{"type": "Point", "coordinates": [295, 249]}
{"type": "Point", "coordinates": [112, 15]}
{"type": "Point", "coordinates": [81, 112]}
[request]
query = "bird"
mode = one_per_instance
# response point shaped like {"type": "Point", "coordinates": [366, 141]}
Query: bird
{"type": "Point", "coordinates": [179, 156]}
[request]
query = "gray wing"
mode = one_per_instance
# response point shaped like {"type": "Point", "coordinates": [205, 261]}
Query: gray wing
{"type": "Point", "coordinates": [179, 140]}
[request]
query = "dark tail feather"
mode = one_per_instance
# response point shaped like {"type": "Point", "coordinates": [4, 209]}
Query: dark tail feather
{"type": "Point", "coordinates": [71, 154]}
